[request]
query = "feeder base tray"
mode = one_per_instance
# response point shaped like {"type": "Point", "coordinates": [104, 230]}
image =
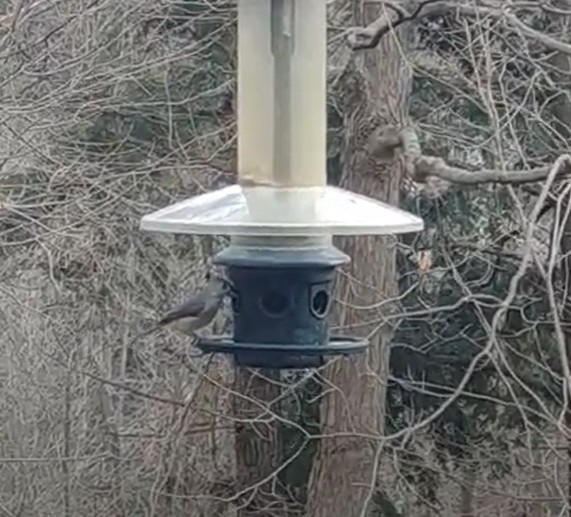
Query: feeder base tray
{"type": "Point", "coordinates": [280, 356]}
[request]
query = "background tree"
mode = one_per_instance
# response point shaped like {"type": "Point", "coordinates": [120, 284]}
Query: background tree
{"type": "Point", "coordinates": [374, 91]}
{"type": "Point", "coordinates": [427, 366]}
{"type": "Point", "coordinates": [109, 110]}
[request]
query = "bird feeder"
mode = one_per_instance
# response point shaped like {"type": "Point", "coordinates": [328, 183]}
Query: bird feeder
{"type": "Point", "coordinates": [281, 216]}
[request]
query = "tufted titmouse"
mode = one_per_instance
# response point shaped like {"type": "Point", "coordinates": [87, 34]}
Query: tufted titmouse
{"type": "Point", "coordinates": [198, 311]}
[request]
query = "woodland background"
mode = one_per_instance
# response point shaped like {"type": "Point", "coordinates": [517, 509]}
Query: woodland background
{"type": "Point", "coordinates": [457, 111]}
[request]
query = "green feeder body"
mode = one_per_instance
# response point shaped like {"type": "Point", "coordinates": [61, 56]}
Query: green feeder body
{"type": "Point", "coordinates": [280, 304]}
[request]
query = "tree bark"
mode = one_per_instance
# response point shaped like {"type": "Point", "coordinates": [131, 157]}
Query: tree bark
{"type": "Point", "coordinates": [344, 477]}
{"type": "Point", "coordinates": [467, 494]}
{"type": "Point", "coordinates": [258, 449]}
{"type": "Point", "coordinates": [562, 111]}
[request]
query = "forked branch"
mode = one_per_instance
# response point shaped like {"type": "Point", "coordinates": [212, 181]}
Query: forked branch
{"type": "Point", "coordinates": [361, 38]}
{"type": "Point", "coordinates": [386, 142]}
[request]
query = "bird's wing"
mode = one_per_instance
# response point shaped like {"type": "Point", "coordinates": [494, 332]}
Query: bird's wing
{"type": "Point", "coordinates": [214, 303]}
{"type": "Point", "coordinates": [191, 308]}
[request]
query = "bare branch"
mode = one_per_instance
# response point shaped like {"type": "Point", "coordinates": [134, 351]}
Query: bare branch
{"type": "Point", "coordinates": [362, 38]}
{"type": "Point", "coordinates": [420, 166]}
{"type": "Point", "coordinates": [425, 166]}
{"type": "Point", "coordinates": [132, 390]}
{"type": "Point", "coordinates": [546, 40]}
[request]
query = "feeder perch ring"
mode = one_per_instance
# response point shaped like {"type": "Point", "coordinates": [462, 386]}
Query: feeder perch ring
{"type": "Point", "coordinates": [337, 345]}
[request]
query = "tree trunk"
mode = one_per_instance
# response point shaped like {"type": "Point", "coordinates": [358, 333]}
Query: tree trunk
{"type": "Point", "coordinates": [258, 449]}
{"type": "Point", "coordinates": [344, 475]}
{"type": "Point", "coordinates": [467, 494]}
{"type": "Point", "coordinates": [535, 508]}
{"type": "Point", "coordinates": [562, 111]}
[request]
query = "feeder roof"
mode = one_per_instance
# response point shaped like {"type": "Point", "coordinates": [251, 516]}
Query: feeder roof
{"type": "Point", "coordinates": [268, 211]}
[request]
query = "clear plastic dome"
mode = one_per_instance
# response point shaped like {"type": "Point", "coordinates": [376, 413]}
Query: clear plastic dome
{"type": "Point", "coordinates": [265, 211]}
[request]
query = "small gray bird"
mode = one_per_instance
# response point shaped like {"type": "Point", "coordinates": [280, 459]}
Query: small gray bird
{"type": "Point", "coordinates": [198, 311]}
